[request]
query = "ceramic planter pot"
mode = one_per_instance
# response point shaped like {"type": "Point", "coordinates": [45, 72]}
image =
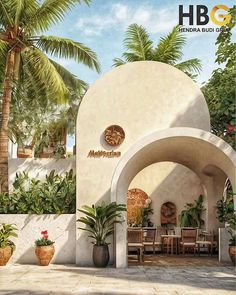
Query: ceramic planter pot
{"type": "Point", "coordinates": [101, 255]}
{"type": "Point", "coordinates": [232, 254]}
{"type": "Point", "coordinates": [44, 254]}
{"type": "Point", "coordinates": [5, 255]}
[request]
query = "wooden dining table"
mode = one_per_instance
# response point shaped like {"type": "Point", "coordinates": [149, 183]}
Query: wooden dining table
{"type": "Point", "coordinates": [170, 242]}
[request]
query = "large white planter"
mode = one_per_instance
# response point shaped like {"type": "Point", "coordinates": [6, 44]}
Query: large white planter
{"type": "Point", "coordinates": [61, 229]}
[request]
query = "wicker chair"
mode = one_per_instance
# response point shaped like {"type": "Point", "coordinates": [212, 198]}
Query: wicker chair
{"type": "Point", "coordinates": [188, 239]}
{"type": "Point", "coordinates": [159, 242]}
{"type": "Point", "coordinates": [206, 242]}
{"type": "Point", "coordinates": [149, 236]}
{"type": "Point", "coordinates": [135, 240]}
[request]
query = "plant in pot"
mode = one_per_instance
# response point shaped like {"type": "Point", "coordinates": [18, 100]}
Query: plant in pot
{"type": "Point", "coordinates": [44, 249]}
{"type": "Point", "coordinates": [226, 214]}
{"type": "Point", "coordinates": [100, 221]}
{"type": "Point", "coordinates": [231, 220]}
{"type": "Point", "coordinates": [7, 247]}
{"type": "Point", "coordinates": [191, 216]}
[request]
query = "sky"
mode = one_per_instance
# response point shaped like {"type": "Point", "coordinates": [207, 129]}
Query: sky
{"type": "Point", "coordinates": [101, 26]}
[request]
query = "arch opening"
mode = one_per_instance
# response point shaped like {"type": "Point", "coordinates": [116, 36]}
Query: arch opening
{"type": "Point", "coordinates": [188, 148]}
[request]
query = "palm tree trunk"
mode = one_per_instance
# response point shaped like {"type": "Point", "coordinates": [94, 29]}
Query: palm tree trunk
{"type": "Point", "coordinates": [6, 101]}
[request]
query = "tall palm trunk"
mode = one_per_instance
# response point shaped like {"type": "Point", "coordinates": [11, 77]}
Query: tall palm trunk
{"type": "Point", "coordinates": [6, 101]}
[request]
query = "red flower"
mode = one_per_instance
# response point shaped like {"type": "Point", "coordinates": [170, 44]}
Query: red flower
{"type": "Point", "coordinates": [230, 128]}
{"type": "Point", "coordinates": [45, 237]}
{"type": "Point", "coordinates": [45, 232]}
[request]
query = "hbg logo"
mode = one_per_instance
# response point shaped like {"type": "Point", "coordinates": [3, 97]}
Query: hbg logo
{"type": "Point", "coordinates": [202, 17]}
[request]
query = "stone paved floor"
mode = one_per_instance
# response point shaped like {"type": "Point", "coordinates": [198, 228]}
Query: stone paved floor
{"type": "Point", "coordinates": [69, 279]}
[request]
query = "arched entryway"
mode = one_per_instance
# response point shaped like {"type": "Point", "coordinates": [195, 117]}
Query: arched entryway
{"type": "Point", "coordinates": [196, 149]}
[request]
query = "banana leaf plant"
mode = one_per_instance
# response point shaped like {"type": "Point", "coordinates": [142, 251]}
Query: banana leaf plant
{"type": "Point", "coordinates": [6, 232]}
{"type": "Point", "coordinates": [100, 220]}
{"type": "Point", "coordinates": [191, 216]}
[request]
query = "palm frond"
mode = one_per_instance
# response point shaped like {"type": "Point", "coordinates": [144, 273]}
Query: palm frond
{"type": "Point", "coordinates": [118, 62]}
{"type": "Point", "coordinates": [24, 10]}
{"type": "Point", "coordinates": [79, 86]}
{"type": "Point", "coordinates": [44, 75]}
{"type": "Point", "coordinates": [138, 42]}
{"type": "Point", "coordinates": [51, 12]}
{"type": "Point", "coordinates": [169, 49]}
{"type": "Point", "coordinates": [67, 48]}
{"type": "Point", "coordinates": [190, 66]}
{"type": "Point", "coordinates": [6, 14]}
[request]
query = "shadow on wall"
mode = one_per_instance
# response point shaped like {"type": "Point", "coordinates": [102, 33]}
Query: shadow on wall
{"type": "Point", "coordinates": [65, 238]}
{"type": "Point", "coordinates": [180, 186]}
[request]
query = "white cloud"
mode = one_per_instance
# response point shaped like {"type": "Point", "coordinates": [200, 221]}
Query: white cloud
{"type": "Point", "coordinates": [121, 16]}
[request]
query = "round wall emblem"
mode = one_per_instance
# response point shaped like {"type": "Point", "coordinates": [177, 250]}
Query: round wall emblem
{"type": "Point", "coordinates": [114, 135]}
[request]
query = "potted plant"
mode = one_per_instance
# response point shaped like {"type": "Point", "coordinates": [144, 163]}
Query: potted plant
{"type": "Point", "coordinates": [44, 249]}
{"type": "Point", "coordinates": [192, 215]}
{"type": "Point", "coordinates": [100, 221]}
{"type": "Point", "coordinates": [6, 245]}
{"type": "Point", "coordinates": [226, 214]}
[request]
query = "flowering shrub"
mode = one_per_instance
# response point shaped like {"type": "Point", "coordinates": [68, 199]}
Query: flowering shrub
{"type": "Point", "coordinates": [44, 241]}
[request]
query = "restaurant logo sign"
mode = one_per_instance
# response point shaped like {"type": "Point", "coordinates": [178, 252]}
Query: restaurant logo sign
{"type": "Point", "coordinates": [103, 154]}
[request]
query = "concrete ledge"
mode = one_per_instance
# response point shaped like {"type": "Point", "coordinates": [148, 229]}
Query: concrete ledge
{"type": "Point", "coordinates": [224, 237]}
{"type": "Point", "coordinates": [61, 229]}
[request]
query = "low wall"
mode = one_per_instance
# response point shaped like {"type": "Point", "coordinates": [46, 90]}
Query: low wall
{"type": "Point", "coordinates": [39, 168]}
{"type": "Point", "coordinates": [61, 229]}
{"type": "Point", "coordinates": [224, 237]}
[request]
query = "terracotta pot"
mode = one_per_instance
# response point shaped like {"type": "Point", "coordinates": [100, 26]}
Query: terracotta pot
{"type": "Point", "coordinates": [44, 254]}
{"type": "Point", "coordinates": [101, 255]}
{"type": "Point", "coordinates": [5, 255]}
{"type": "Point", "coordinates": [232, 254]}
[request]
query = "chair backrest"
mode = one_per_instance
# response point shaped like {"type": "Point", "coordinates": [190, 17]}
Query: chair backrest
{"type": "Point", "coordinates": [160, 231]}
{"type": "Point", "coordinates": [188, 235]}
{"type": "Point", "coordinates": [135, 235]}
{"type": "Point", "coordinates": [149, 234]}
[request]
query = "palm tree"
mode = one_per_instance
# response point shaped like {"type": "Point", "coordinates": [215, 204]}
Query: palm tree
{"type": "Point", "coordinates": [139, 47]}
{"type": "Point", "coordinates": [24, 51]}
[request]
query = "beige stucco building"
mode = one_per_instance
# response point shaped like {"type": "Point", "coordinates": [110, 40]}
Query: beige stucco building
{"type": "Point", "coordinates": [168, 150]}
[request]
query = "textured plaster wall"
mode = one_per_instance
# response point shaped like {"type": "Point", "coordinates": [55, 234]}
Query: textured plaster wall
{"type": "Point", "coordinates": [39, 168]}
{"type": "Point", "coordinates": [168, 182]}
{"type": "Point", "coordinates": [141, 97]}
{"type": "Point", "coordinates": [61, 229]}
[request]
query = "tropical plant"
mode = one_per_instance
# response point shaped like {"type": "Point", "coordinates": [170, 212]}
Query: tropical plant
{"type": "Point", "coordinates": [219, 91]}
{"type": "Point", "coordinates": [100, 220]}
{"type": "Point", "coordinates": [225, 208]}
{"type": "Point", "coordinates": [192, 215]}
{"type": "Point", "coordinates": [24, 58]}
{"type": "Point", "coordinates": [55, 195]}
{"type": "Point", "coordinates": [139, 47]}
{"type": "Point", "coordinates": [44, 241]}
{"type": "Point", "coordinates": [6, 232]}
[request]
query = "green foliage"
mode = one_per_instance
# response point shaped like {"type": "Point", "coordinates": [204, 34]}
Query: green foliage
{"type": "Point", "coordinates": [139, 47]}
{"type": "Point", "coordinates": [6, 232]}
{"type": "Point", "coordinates": [192, 215]}
{"type": "Point", "coordinates": [55, 195]}
{"type": "Point", "coordinates": [100, 220]}
{"type": "Point", "coordinates": [145, 220]}
{"type": "Point", "coordinates": [43, 242]}
{"type": "Point", "coordinates": [219, 91]}
{"type": "Point", "coordinates": [225, 208]}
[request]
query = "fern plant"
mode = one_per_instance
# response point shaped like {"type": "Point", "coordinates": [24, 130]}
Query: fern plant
{"type": "Point", "coordinates": [192, 215]}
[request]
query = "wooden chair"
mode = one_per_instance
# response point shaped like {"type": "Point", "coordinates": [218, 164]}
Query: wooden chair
{"type": "Point", "coordinates": [188, 239]}
{"type": "Point", "coordinates": [135, 240]}
{"type": "Point", "coordinates": [158, 242]}
{"type": "Point", "coordinates": [149, 236]}
{"type": "Point", "coordinates": [207, 241]}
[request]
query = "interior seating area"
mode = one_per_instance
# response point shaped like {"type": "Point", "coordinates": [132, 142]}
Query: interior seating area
{"type": "Point", "coordinates": [145, 241]}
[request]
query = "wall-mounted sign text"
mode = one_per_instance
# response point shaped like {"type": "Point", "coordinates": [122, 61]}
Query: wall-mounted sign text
{"type": "Point", "coordinates": [103, 154]}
